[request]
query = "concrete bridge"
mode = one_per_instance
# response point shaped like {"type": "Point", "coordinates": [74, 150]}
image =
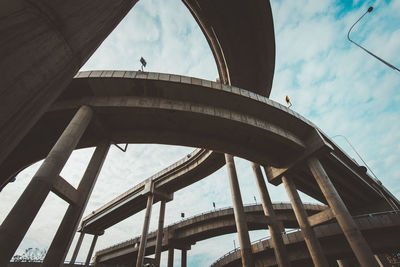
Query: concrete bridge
{"type": "Point", "coordinates": [47, 114]}
{"type": "Point", "coordinates": [382, 231]}
{"type": "Point", "coordinates": [201, 227]}
{"type": "Point", "coordinates": [141, 105]}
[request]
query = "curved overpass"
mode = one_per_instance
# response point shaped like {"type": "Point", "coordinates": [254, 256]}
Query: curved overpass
{"type": "Point", "coordinates": [202, 227]}
{"type": "Point", "coordinates": [382, 232]}
{"type": "Point", "coordinates": [241, 37]}
{"type": "Point", "coordinates": [135, 107]}
{"type": "Point", "coordinates": [226, 43]}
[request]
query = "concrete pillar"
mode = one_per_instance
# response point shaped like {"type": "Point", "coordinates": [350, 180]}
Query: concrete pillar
{"type": "Point", "coordinates": [89, 256]}
{"type": "Point", "coordinates": [18, 221]}
{"type": "Point", "coordinates": [62, 240]}
{"type": "Point", "coordinates": [382, 261]}
{"type": "Point", "coordinates": [276, 236]}
{"type": "Point", "coordinates": [343, 263]}
{"type": "Point", "coordinates": [160, 233]}
{"type": "Point", "coordinates": [313, 245]}
{"type": "Point", "coordinates": [170, 257]}
{"type": "Point", "coordinates": [77, 248]}
{"type": "Point", "coordinates": [143, 238]}
{"type": "Point", "coordinates": [240, 216]}
{"type": "Point", "coordinates": [353, 235]}
{"type": "Point", "coordinates": [42, 54]}
{"type": "Point", "coordinates": [184, 258]}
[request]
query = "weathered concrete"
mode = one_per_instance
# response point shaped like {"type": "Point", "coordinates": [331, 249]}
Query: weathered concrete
{"type": "Point", "coordinates": [273, 226]}
{"type": "Point", "coordinates": [342, 215]}
{"type": "Point", "coordinates": [45, 44]}
{"type": "Point", "coordinates": [184, 258]}
{"type": "Point", "coordinates": [202, 227]}
{"type": "Point", "coordinates": [381, 230]}
{"type": "Point", "coordinates": [241, 37]}
{"type": "Point", "coordinates": [77, 247]}
{"type": "Point", "coordinates": [314, 247]}
{"type": "Point", "coordinates": [62, 240]}
{"type": "Point", "coordinates": [240, 216]}
{"type": "Point", "coordinates": [160, 233]}
{"type": "Point", "coordinates": [146, 223]}
{"type": "Point", "coordinates": [356, 188]}
{"type": "Point", "coordinates": [18, 221]}
{"type": "Point", "coordinates": [170, 257]}
{"type": "Point", "coordinates": [321, 217]}
{"type": "Point", "coordinates": [90, 253]}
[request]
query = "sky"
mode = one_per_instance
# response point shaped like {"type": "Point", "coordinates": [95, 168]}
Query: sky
{"type": "Point", "coordinates": [330, 81]}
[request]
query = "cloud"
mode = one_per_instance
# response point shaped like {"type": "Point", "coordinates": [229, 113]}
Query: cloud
{"type": "Point", "coordinates": [330, 81]}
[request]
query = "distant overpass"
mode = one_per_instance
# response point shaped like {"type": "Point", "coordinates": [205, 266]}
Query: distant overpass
{"type": "Point", "coordinates": [200, 227]}
{"type": "Point", "coordinates": [382, 232]}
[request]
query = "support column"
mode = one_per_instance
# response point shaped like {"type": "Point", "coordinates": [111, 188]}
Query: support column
{"type": "Point", "coordinates": [160, 233]}
{"type": "Point", "coordinates": [143, 238]}
{"type": "Point", "coordinates": [18, 221]}
{"type": "Point", "coordinates": [353, 235]}
{"type": "Point", "coordinates": [184, 258]}
{"type": "Point", "coordinates": [77, 248]}
{"type": "Point", "coordinates": [62, 240]}
{"type": "Point", "coordinates": [313, 245]}
{"type": "Point", "coordinates": [343, 263]}
{"type": "Point", "coordinates": [170, 257]}
{"type": "Point", "coordinates": [89, 256]}
{"type": "Point", "coordinates": [279, 248]}
{"type": "Point", "coordinates": [240, 216]}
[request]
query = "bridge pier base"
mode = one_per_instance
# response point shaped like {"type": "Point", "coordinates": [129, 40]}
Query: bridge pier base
{"type": "Point", "coordinates": [20, 218]}
{"type": "Point", "coordinates": [62, 240]}
{"type": "Point", "coordinates": [240, 216]}
{"type": "Point", "coordinates": [160, 233]}
{"type": "Point", "coordinates": [170, 257]}
{"type": "Point", "coordinates": [143, 238]}
{"type": "Point", "coordinates": [90, 253]}
{"type": "Point", "coordinates": [276, 236]}
{"type": "Point", "coordinates": [353, 235]}
{"type": "Point", "coordinates": [313, 245]}
{"type": "Point", "coordinates": [77, 248]}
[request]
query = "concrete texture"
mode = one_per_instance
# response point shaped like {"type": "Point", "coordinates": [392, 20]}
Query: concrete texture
{"type": "Point", "coordinates": [241, 38]}
{"type": "Point", "coordinates": [240, 216]}
{"type": "Point", "coordinates": [274, 225]}
{"type": "Point", "coordinates": [382, 232]}
{"type": "Point", "coordinates": [14, 228]}
{"type": "Point", "coordinates": [313, 245]}
{"type": "Point", "coordinates": [202, 227]}
{"type": "Point", "coordinates": [66, 231]}
{"type": "Point", "coordinates": [342, 215]}
{"type": "Point", "coordinates": [357, 188]}
{"type": "Point", "coordinates": [44, 44]}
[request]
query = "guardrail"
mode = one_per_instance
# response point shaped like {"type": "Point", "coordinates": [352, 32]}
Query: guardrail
{"type": "Point", "coordinates": [298, 230]}
{"type": "Point", "coordinates": [25, 262]}
{"type": "Point", "coordinates": [136, 239]}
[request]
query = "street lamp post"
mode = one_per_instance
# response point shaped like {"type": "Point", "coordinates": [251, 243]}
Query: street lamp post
{"type": "Point", "coordinates": [378, 58]}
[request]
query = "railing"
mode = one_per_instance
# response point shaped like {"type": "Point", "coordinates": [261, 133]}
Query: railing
{"type": "Point", "coordinates": [298, 230]}
{"type": "Point", "coordinates": [136, 239]}
{"type": "Point", "coordinates": [253, 242]}
{"type": "Point", "coordinates": [65, 263]}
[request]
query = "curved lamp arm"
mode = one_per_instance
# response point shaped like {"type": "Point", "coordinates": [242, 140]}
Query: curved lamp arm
{"type": "Point", "coordinates": [378, 58]}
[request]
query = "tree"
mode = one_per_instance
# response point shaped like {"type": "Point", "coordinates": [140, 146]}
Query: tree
{"type": "Point", "coordinates": [30, 255]}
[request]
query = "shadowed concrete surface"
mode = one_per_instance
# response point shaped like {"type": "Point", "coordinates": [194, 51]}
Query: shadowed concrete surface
{"type": "Point", "coordinates": [141, 105]}
{"type": "Point", "coordinates": [197, 228]}
{"type": "Point", "coordinates": [382, 232]}
{"type": "Point", "coordinates": [231, 31]}
{"type": "Point", "coordinates": [44, 43]}
{"type": "Point", "coordinates": [51, 40]}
